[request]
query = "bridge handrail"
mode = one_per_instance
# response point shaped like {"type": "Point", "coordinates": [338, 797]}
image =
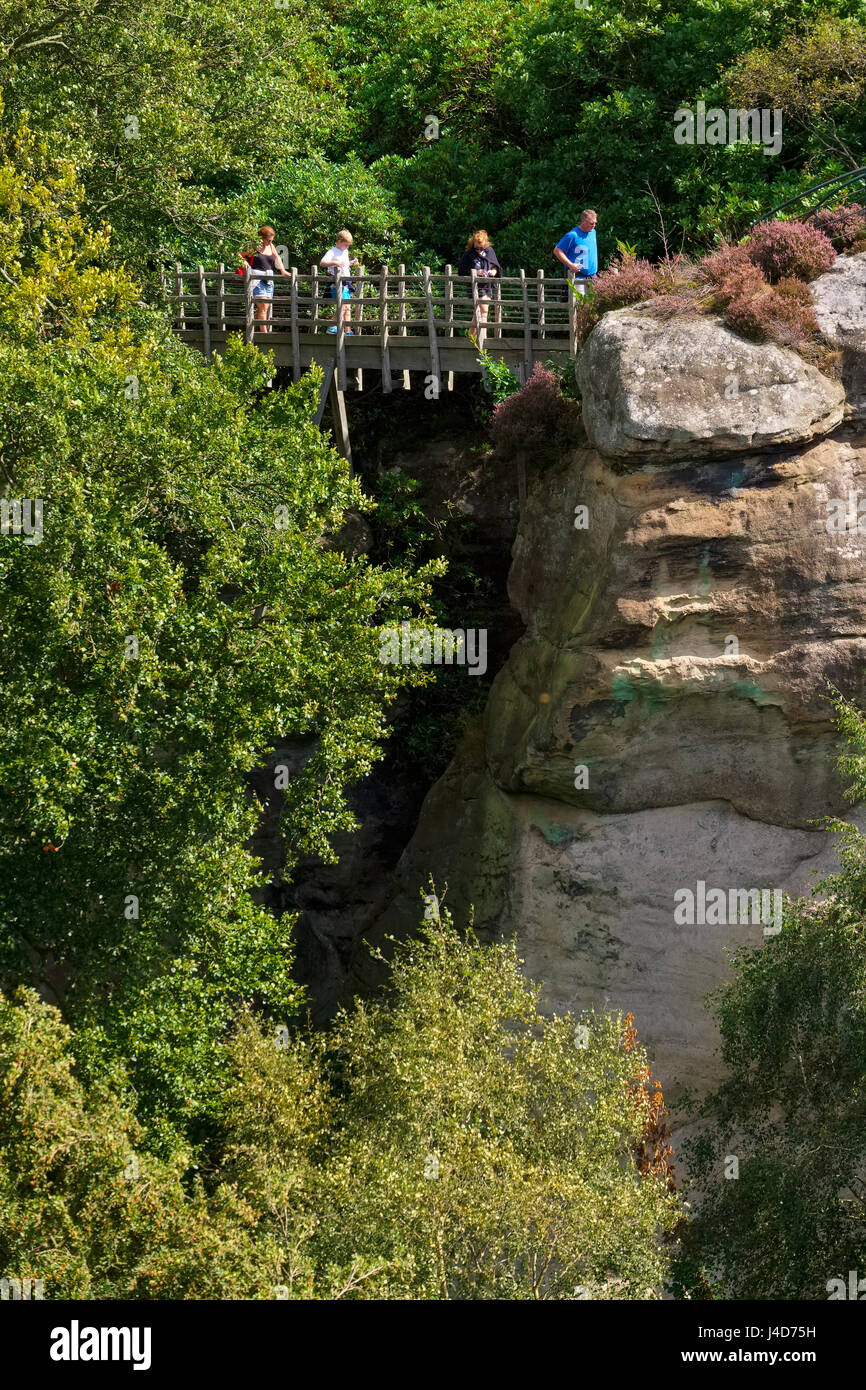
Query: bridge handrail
{"type": "Point", "coordinates": [524, 309]}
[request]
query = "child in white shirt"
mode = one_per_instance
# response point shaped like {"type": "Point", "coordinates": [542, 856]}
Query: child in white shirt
{"type": "Point", "coordinates": [337, 262]}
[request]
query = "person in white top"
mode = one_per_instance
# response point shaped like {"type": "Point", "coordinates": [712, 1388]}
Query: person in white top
{"type": "Point", "coordinates": [338, 262]}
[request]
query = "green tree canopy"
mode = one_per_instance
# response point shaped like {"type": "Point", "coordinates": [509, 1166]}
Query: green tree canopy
{"type": "Point", "coordinates": [182, 610]}
{"type": "Point", "coordinates": [466, 1145]}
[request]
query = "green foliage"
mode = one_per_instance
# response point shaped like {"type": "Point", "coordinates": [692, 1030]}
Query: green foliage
{"type": "Point", "coordinates": [793, 1028]}
{"type": "Point", "coordinates": [217, 91]}
{"type": "Point", "coordinates": [499, 380]}
{"type": "Point", "coordinates": [466, 1146]}
{"type": "Point", "coordinates": [180, 614]}
{"type": "Point", "coordinates": [546, 108]}
{"type": "Point", "coordinates": [308, 201]}
{"type": "Point", "coordinates": [448, 1143]}
{"type": "Point", "coordinates": [81, 1206]}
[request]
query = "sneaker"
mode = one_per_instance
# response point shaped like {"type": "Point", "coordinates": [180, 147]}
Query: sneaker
{"type": "Point", "coordinates": [332, 330]}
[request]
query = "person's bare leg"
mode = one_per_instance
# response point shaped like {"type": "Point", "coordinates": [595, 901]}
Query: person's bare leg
{"type": "Point", "coordinates": [482, 321]}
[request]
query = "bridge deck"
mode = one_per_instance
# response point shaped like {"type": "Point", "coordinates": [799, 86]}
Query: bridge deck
{"type": "Point", "coordinates": [399, 323]}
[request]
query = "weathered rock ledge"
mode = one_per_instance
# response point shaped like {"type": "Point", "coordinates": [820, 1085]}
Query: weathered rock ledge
{"type": "Point", "coordinates": [664, 718]}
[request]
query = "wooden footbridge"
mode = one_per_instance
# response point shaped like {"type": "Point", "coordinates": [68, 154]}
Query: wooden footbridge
{"type": "Point", "coordinates": [398, 323]}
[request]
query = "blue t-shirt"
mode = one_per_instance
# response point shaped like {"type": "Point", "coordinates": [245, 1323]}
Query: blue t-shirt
{"type": "Point", "coordinates": [582, 249]}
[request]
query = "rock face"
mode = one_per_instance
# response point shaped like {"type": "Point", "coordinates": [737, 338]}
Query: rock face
{"type": "Point", "coordinates": [839, 299]}
{"type": "Point", "coordinates": [663, 720]}
{"type": "Point", "coordinates": [689, 388]}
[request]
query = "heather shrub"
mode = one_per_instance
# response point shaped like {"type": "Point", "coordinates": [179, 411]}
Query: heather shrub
{"type": "Point", "coordinates": [724, 263]}
{"type": "Point", "coordinates": [627, 280]}
{"type": "Point", "coordinates": [796, 290]}
{"type": "Point", "coordinates": [845, 225]}
{"type": "Point", "coordinates": [669, 306]}
{"type": "Point", "coordinates": [586, 316]}
{"type": "Point", "coordinates": [772, 313]}
{"type": "Point", "coordinates": [782, 249]}
{"type": "Point", "coordinates": [743, 281]}
{"type": "Point", "coordinates": [537, 419]}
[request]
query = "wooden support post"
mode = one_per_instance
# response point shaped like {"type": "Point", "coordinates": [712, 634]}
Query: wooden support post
{"type": "Point", "coordinates": [431, 333]}
{"type": "Point", "coordinates": [221, 299]}
{"type": "Point", "coordinates": [497, 307]}
{"type": "Point", "coordinates": [296, 342]}
{"type": "Point", "coordinates": [449, 314]}
{"type": "Point", "coordinates": [324, 393]}
{"type": "Point", "coordinates": [205, 317]}
{"type": "Point", "coordinates": [331, 393]}
{"type": "Point", "coordinates": [358, 319]}
{"type": "Point", "coordinates": [571, 291]}
{"type": "Point", "coordinates": [341, 333]}
{"type": "Point", "coordinates": [314, 292]}
{"type": "Point", "coordinates": [162, 280]}
{"type": "Point", "coordinates": [527, 328]}
{"type": "Point", "coordinates": [539, 294]}
{"type": "Point", "coordinates": [178, 283]}
{"type": "Point", "coordinates": [340, 421]}
{"type": "Point", "coordinates": [402, 316]}
{"type": "Point", "coordinates": [387, 384]}
{"type": "Point", "coordinates": [249, 308]}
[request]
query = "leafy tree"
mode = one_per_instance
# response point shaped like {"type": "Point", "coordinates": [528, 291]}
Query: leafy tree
{"type": "Point", "coordinates": [818, 78]}
{"type": "Point", "coordinates": [572, 108]}
{"type": "Point", "coordinates": [308, 201]}
{"type": "Point", "coordinates": [81, 1206]}
{"type": "Point", "coordinates": [184, 609]}
{"type": "Point", "coordinates": [793, 1106]}
{"type": "Point", "coordinates": [165, 105]}
{"type": "Point", "coordinates": [466, 1146]}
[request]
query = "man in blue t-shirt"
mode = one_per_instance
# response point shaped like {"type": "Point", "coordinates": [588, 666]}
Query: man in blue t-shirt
{"type": "Point", "coordinates": [578, 251]}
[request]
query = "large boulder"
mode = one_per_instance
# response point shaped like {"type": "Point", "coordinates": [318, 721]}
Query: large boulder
{"type": "Point", "coordinates": [690, 388]}
{"type": "Point", "coordinates": [839, 298]}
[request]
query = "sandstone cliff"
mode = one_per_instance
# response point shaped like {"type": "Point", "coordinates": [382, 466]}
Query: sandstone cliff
{"type": "Point", "coordinates": [664, 718]}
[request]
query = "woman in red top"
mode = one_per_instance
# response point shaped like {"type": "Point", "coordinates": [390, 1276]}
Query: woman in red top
{"type": "Point", "coordinates": [265, 259]}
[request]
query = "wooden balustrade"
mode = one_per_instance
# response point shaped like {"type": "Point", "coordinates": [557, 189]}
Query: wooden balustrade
{"type": "Point", "coordinates": [398, 321]}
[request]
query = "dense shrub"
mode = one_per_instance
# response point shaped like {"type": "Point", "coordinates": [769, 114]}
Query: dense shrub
{"type": "Point", "coordinates": [844, 225]}
{"type": "Point", "coordinates": [727, 261]}
{"type": "Point", "coordinates": [795, 290]}
{"type": "Point", "coordinates": [744, 280]}
{"type": "Point", "coordinates": [772, 312]}
{"type": "Point", "coordinates": [537, 419]}
{"type": "Point", "coordinates": [741, 276]}
{"type": "Point", "coordinates": [627, 280]}
{"type": "Point", "coordinates": [790, 248]}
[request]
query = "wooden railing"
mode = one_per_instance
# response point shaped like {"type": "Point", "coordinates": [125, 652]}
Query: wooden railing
{"type": "Point", "coordinates": [397, 321]}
